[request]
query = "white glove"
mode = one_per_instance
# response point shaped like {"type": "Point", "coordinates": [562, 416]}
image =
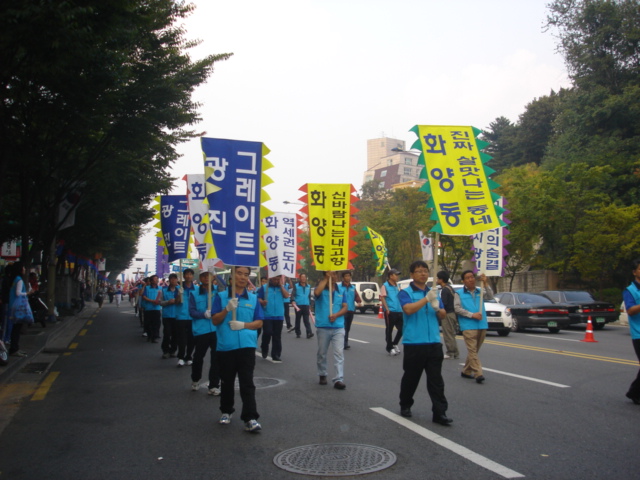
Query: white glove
{"type": "Point", "coordinates": [232, 304]}
{"type": "Point", "coordinates": [432, 298]}
{"type": "Point", "coordinates": [235, 324]}
{"type": "Point", "coordinates": [207, 314]}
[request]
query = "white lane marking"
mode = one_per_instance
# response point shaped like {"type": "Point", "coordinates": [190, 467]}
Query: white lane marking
{"type": "Point", "coordinates": [551, 338]}
{"type": "Point", "coordinates": [356, 340]}
{"type": "Point", "coordinates": [531, 379]}
{"type": "Point", "coordinates": [464, 452]}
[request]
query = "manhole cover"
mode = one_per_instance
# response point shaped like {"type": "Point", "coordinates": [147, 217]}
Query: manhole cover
{"type": "Point", "coordinates": [35, 368]}
{"type": "Point", "coordinates": [262, 382]}
{"type": "Point", "coordinates": [335, 459]}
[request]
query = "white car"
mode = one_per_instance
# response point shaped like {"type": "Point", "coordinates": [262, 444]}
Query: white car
{"type": "Point", "coordinates": [499, 317]}
{"type": "Point", "coordinates": [369, 294]}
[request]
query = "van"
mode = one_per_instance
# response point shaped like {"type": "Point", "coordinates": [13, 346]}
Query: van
{"type": "Point", "coordinates": [369, 294]}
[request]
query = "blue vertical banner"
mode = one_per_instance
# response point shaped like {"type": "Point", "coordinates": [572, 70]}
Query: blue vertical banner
{"type": "Point", "coordinates": [235, 179]}
{"type": "Point", "coordinates": [175, 225]}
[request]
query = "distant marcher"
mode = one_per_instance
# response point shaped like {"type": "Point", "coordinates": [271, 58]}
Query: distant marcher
{"type": "Point", "coordinates": [450, 322]}
{"type": "Point", "coordinates": [422, 347]}
{"type": "Point", "coordinates": [152, 296]}
{"type": "Point", "coordinates": [352, 297]}
{"type": "Point", "coordinates": [184, 321]}
{"type": "Point", "coordinates": [204, 334]}
{"type": "Point", "coordinates": [472, 318]}
{"type": "Point", "coordinates": [117, 293]}
{"type": "Point", "coordinates": [287, 305]}
{"type": "Point", "coordinates": [330, 327]}
{"type": "Point", "coordinates": [237, 341]}
{"type": "Point", "coordinates": [272, 303]}
{"type": "Point", "coordinates": [171, 299]}
{"type": "Point", "coordinates": [301, 299]}
{"type": "Point", "coordinates": [392, 311]}
{"type": "Point", "coordinates": [631, 296]}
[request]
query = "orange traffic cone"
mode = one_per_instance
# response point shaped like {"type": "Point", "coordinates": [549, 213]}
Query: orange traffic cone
{"type": "Point", "coordinates": [380, 312]}
{"type": "Point", "coordinates": [588, 335]}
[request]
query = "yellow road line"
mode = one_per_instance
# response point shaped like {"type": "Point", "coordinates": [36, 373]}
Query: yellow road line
{"type": "Point", "coordinates": [44, 387]}
{"type": "Point", "coordinates": [566, 353]}
{"type": "Point", "coordinates": [369, 324]}
{"type": "Point", "coordinates": [89, 322]}
{"type": "Point", "coordinates": [73, 346]}
{"type": "Point", "coordinates": [83, 332]}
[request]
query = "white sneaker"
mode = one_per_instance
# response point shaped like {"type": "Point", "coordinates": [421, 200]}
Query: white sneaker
{"type": "Point", "coordinates": [214, 391]}
{"type": "Point", "coordinates": [181, 363]}
{"type": "Point", "coordinates": [447, 357]}
{"type": "Point", "coordinates": [397, 350]}
{"type": "Point", "coordinates": [225, 419]}
{"type": "Point", "coordinates": [189, 362]}
{"type": "Point", "coordinates": [252, 426]}
{"type": "Point", "coordinates": [195, 386]}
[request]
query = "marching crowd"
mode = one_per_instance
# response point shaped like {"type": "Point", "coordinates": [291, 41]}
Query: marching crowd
{"type": "Point", "coordinates": [228, 320]}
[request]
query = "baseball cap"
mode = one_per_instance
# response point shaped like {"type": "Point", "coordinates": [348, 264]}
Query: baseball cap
{"type": "Point", "coordinates": [394, 271]}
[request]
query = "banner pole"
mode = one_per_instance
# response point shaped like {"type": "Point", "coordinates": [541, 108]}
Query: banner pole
{"type": "Point", "coordinates": [435, 260]}
{"type": "Point", "coordinates": [233, 289]}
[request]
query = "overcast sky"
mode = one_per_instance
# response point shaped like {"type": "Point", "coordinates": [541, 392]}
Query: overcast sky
{"type": "Point", "coordinates": [315, 79]}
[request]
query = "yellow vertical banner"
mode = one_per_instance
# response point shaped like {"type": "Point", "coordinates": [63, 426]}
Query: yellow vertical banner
{"type": "Point", "coordinates": [458, 181]}
{"type": "Point", "coordinates": [329, 207]}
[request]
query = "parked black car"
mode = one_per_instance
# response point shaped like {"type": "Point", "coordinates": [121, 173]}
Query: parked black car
{"type": "Point", "coordinates": [531, 310]}
{"type": "Point", "coordinates": [601, 313]}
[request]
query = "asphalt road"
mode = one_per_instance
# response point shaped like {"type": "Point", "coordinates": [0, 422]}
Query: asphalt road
{"type": "Point", "coordinates": [552, 407]}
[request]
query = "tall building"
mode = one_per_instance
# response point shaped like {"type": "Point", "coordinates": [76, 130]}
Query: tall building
{"type": "Point", "coordinates": [389, 163]}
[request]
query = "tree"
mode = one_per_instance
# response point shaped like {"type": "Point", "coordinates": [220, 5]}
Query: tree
{"type": "Point", "coordinates": [501, 136]}
{"type": "Point", "coordinates": [96, 95]}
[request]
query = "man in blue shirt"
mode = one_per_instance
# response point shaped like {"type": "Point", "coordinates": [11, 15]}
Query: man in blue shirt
{"type": "Point", "coordinates": [392, 311]}
{"type": "Point", "coordinates": [330, 327]}
{"type": "Point", "coordinates": [352, 297]}
{"type": "Point", "coordinates": [300, 298]}
{"type": "Point", "coordinates": [237, 342]}
{"type": "Point", "coordinates": [422, 347]}
{"type": "Point", "coordinates": [631, 298]}
{"type": "Point", "coordinates": [272, 301]}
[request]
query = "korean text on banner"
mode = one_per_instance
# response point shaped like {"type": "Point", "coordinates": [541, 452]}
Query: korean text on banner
{"type": "Point", "coordinates": [379, 250]}
{"type": "Point", "coordinates": [461, 192]}
{"type": "Point", "coordinates": [174, 225]}
{"type": "Point", "coordinates": [329, 209]}
{"type": "Point", "coordinates": [489, 248]}
{"type": "Point", "coordinates": [199, 213]}
{"type": "Point", "coordinates": [234, 171]}
{"type": "Point", "coordinates": [281, 244]}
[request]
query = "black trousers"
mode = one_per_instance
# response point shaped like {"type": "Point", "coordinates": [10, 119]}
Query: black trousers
{"type": "Point", "coordinates": [303, 313]}
{"type": "Point", "coordinates": [169, 335]}
{"type": "Point", "coordinates": [634, 389]}
{"type": "Point", "coordinates": [272, 333]}
{"type": "Point", "coordinates": [152, 320]}
{"type": "Point", "coordinates": [287, 317]}
{"type": "Point", "coordinates": [393, 319]}
{"type": "Point", "coordinates": [348, 319]}
{"type": "Point", "coordinates": [203, 343]}
{"type": "Point", "coordinates": [427, 358]}
{"type": "Point", "coordinates": [186, 345]}
{"type": "Point", "coordinates": [239, 362]}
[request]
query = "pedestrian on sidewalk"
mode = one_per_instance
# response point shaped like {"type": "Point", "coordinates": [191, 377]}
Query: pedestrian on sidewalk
{"type": "Point", "coordinates": [422, 347]}
{"type": "Point", "coordinates": [237, 341]}
{"type": "Point", "coordinates": [393, 315]}
{"type": "Point", "coordinates": [152, 296]}
{"type": "Point", "coordinates": [450, 321]}
{"type": "Point", "coordinates": [330, 327]}
{"type": "Point", "coordinates": [17, 300]}
{"type": "Point", "coordinates": [204, 333]}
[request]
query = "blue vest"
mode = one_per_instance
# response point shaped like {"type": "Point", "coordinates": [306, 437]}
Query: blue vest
{"type": "Point", "coordinates": [275, 303]}
{"type": "Point", "coordinates": [634, 320]}
{"type": "Point", "coordinates": [235, 339]}
{"type": "Point", "coordinates": [302, 294]}
{"type": "Point", "coordinates": [472, 305]}
{"type": "Point", "coordinates": [182, 310]}
{"type": "Point", "coordinates": [350, 294]}
{"type": "Point", "coordinates": [169, 311]}
{"type": "Point", "coordinates": [200, 326]}
{"type": "Point", "coordinates": [392, 297]}
{"type": "Point", "coordinates": [322, 309]}
{"type": "Point", "coordinates": [151, 293]}
{"type": "Point", "coordinates": [421, 327]}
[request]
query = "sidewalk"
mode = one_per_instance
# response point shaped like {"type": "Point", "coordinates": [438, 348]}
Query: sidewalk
{"type": "Point", "coordinates": [37, 338]}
